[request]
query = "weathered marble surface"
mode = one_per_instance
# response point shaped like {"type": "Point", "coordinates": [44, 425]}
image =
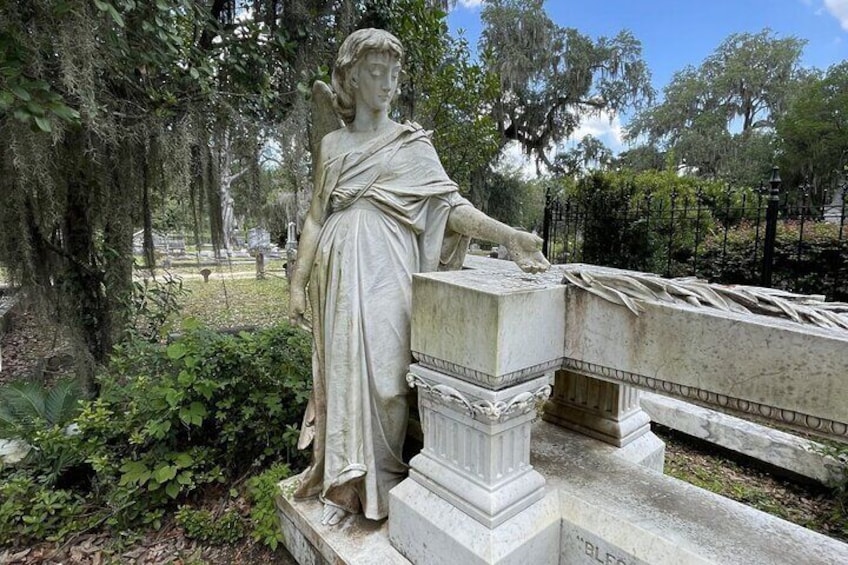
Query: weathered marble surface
{"type": "Point", "coordinates": [428, 530]}
{"type": "Point", "coordinates": [603, 410]}
{"type": "Point", "coordinates": [616, 512]}
{"type": "Point", "coordinates": [786, 451]}
{"type": "Point", "coordinates": [355, 541]}
{"type": "Point", "coordinates": [498, 329]}
{"type": "Point", "coordinates": [476, 452]}
{"type": "Point", "coordinates": [788, 372]}
{"type": "Point", "coordinates": [606, 511]}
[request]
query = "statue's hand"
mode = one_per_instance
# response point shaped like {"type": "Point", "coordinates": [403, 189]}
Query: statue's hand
{"type": "Point", "coordinates": [297, 308]}
{"type": "Point", "coordinates": [526, 250]}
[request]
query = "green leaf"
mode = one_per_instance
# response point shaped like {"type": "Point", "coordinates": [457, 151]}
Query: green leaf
{"type": "Point", "coordinates": [164, 474]}
{"type": "Point", "coordinates": [205, 389]}
{"type": "Point", "coordinates": [116, 16]}
{"type": "Point", "coordinates": [185, 378]}
{"type": "Point", "coordinates": [62, 400]}
{"type": "Point", "coordinates": [102, 6]}
{"type": "Point", "coordinates": [21, 93]}
{"type": "Point", "coordinates": [176, 350]}
{"type": "Point", "coordinates": [173, 397]}
{"type": "Point", "coordinates": [43, 124]}
{"type": "Point", "coordinates": [172, 490]}
{"type": "Point", "coordinates": [6, 99]}
{"type": "Point", "coordinates": [134, 472]}
{"type": "Point", "coordinates": [184, 478]}
{"type": "Point", "coordinates": [65, 113]}
{"type": "Point", "coordinates": [193, 414]}
{"type": "Point", "coordinates": [194, 74]}
{"type": "Point", "coordinates": [183, 460]}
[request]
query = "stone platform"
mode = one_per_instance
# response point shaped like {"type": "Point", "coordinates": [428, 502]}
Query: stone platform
{"type": "Point", "coordinates": [355, 540]}
{"type": "Point", "coordinates": [612, 512]}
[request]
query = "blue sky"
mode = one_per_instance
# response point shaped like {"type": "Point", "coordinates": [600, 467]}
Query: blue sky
{"type": "Point", "coordinates": [677, 33]}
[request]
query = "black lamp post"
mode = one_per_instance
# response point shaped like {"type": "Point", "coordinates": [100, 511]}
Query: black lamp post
{"type": "Point", "coordinates": [771, 226]}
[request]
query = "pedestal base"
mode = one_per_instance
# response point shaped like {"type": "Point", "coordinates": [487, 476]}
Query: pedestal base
{"type": "Point", "coordinates": [354, 541]}
{"type": "Point", "coordinates": [427, 530]}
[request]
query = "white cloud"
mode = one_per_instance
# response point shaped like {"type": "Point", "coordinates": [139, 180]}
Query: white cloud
{"type": "Point", "coordinates": [470, 4]}
{"type": "Point", "coordinates": [606, 127]}
{"type": "Point", "coordinates": [839, 10]}
{"type": "Point", "coordinates": [514, 159]}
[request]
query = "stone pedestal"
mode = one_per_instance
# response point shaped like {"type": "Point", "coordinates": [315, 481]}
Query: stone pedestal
{"type": "Point", "coordinates": [606, 411]}
{"type": "Point", "coordinates": [603, 410]}
{"type": "Point", "coordinates": [472, 495]}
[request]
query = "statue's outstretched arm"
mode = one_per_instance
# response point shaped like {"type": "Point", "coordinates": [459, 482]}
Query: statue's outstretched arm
{"type": "Point", "coordinates": [524, 248]}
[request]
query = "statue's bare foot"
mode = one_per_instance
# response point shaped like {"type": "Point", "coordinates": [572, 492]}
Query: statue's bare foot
{"type": "Point", "coordinates": [332, 515]}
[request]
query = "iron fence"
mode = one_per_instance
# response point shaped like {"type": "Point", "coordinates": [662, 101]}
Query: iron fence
{"type": "Point", "coordinates": [745, 236]}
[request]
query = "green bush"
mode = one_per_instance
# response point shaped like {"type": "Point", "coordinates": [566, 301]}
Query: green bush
{"type": "Point", "coordinates": [628, 220]}
{"type": "Point", "coordinates": [31, 510]}
{"type": "Point", "coordinates": [821, 267]}
{"type": "Point", "coordinates": [204, 525]}
{"type": "Point", "coordinates": [170, 419]}
{"type": "Point", "coordinates": [261, 491]}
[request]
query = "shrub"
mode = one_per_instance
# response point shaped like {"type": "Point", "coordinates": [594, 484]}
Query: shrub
{"type": "Point", "coordinates": [635, 221]}
{"type": "Point", "coordinates": [204, 409]}
{"type": "Point", "coordinates": [202, 524]}
{"type": "Point", "coordinates": [821, 267]}
{"type": "Point", "coordinates": [261, 491]}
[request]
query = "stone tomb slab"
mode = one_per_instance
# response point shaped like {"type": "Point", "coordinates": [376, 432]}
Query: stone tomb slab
{"type": "Point", "coordinates": [800, 456]}
{"type": "Point", "coordinates": [613, 512]}
{"type": "Point", "coordinates": [617, 513]}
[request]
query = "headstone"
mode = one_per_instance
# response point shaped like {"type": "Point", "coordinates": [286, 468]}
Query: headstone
{"type": "Point", "coordinates": [291, 249]}
{"type": "Point", "coordinates": [259, 243]}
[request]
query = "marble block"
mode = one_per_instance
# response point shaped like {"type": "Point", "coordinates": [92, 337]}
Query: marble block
{"type": "Point", "coordinates": [495, 329]}
{"type": "Point", "coordinates": [785, 451]}
{"type": "Point", "coordinates": [428, 530]}
{"type": "Point", "coordinates": [788, 372]}
{"type": "Point", "coordinates": [354, 541]}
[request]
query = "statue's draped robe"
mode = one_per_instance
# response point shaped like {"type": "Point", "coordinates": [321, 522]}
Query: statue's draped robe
{"type": "Point", "coordinates": [387, 204]}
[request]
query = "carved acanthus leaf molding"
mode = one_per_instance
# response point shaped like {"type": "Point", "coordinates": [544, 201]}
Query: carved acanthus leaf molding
{"type": "Point", "coordinates": [633, 289]}
{"type": "Point", "coordinates": [493, 411]}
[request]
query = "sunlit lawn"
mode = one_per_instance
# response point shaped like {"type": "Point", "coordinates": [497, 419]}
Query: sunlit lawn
{"type": "Point", "coordinates": [227, 302]}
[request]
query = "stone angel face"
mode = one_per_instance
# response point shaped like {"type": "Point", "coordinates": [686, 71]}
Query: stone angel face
{"type": "Point", "coordinates": [366, 72]}
{"type": "Point", "coordinates": [375, 81]}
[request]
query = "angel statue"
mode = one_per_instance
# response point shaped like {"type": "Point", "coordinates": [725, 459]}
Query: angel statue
{"type": "Point", "coordinates": [383, 209]}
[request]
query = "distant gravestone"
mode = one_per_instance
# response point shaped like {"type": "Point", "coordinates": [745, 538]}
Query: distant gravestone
{"type": "Point", "coordinates": [258, 244]}
{"type": "Point", "coordinates": [258, 240]}
{"type": "Point", "coordinates": [291, 248]}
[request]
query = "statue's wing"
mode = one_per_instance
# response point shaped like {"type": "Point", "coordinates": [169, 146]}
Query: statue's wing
{"type": "Point", "coordinates": [324, 117]}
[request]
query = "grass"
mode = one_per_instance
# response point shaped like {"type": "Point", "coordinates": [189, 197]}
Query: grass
{"type": "Point", "coordinates": [812, 506]}
{"type": "Point", "coordinates": [232, 302]}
